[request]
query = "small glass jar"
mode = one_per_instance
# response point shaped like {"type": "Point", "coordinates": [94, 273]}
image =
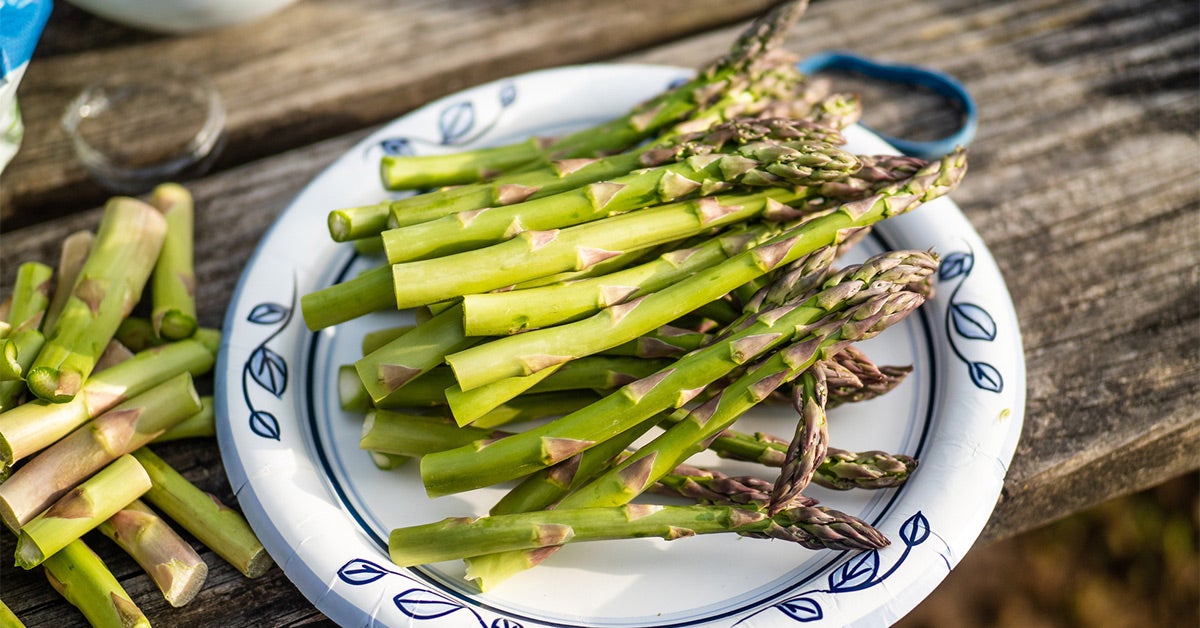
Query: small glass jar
{"type": "Point", "coordinates": [137, 128]}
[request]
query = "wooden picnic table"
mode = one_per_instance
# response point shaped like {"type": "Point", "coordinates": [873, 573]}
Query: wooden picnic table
{"type": "Point", "coordinates": [1084, 183]}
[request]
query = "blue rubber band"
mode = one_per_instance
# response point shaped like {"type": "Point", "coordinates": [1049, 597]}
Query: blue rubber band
{"type": "Point", "coordinates": [936, 81]}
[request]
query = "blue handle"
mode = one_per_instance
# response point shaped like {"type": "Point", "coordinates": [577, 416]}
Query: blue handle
{"type": "Point", "coordinates": [938, 82]}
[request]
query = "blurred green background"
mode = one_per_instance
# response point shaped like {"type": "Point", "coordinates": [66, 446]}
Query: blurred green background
{"type": "Point", "coordinates": [1132, 561]}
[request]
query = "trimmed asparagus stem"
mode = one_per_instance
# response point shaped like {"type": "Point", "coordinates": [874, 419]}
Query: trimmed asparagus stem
{"type": "Point", "coordinates": [466, 406]}
{"type": "Point", "coordinates": [808, 446]}
{"type": "Point", "coordinates": [531, 407]}
{"type": "Point", "coordinates": [137, 333]}
{"type": "Point", "coordinates": [411, 172]}
{"type": "Point", "coordinates": [369, 292]}
{"type": "Point", "coordinates": [114, 354]}
{"type": "Point", "coordinates": [81, 509]}
{"type": "Point", "coordinates": [524, 353]}
{"type": "Point", "coordinates": [173, 287]}
{"type": "Point", "coordinates": [30, 297]}
{"type": "Point", "coordinates": [460, 537]}
{"type": "Point", "coordinates": [414, 435]}
{"type": "Point", "coordinates": [37, 424]}
{"type": "Point", "coordinates": [203, 424]}
{"type": "Point", "coordinates": [170, 562]}
{"type": "Point", "coordinates": [110, 283]}
{"type": "Point", "coordinates": [505, 313]}
{"type": "Point", "coordinates": [139, 420]}
{"type": "Point", "coordinates": [75, 249]}
{"type": "Point", "coordinates": [712, 487]}
{"type": "Point", "coordinates": [355, 223]}
{"type": "Point", "coordinates": [218, 527]}
{"type": "Point", "coordinates": [79, 575]}
{"type": "Point", "coordinates": [387, 462]}
{"type": "Point", "coordinates": [376, 338]}
{"type": "Point", "coordinates": [393, 365]}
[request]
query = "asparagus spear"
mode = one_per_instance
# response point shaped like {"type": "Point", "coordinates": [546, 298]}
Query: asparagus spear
{"type": "Point", "coordinates": [173, 290]}
{"type": "Point", "coordinates": [370, 291]}
{"type": "Point", "coordinates": [38, 424]}
{"type": "Point", "coordinates": [713, 487]}
{"type": "Point", "coordinates": [81, 509]}
{"type": "Point", "coordinates": [508, 458]}
{"type": "Point", "coordinates": [79, 575]}
{"type": "Point", "coordinates": [203, 424]}
{"type": "Point", "coordinates": [747, 56]}
{"type": "Point", "coordinates": [393, 365]}
{"type": "Point", "coordinates": [109, 285]}
{"type": "Point", "coordinates": [75, 249]}
{"type": "Point", "coordinates": [460, 537]}
{"type": "Point", "coordinates": [129, 425]}
{"type": "Point", "coordinates": [30, 297]}
{"type": "Point", "coordinates": [505, 313]}
{"type": "Point", "coordinates": [174, 567]}
{"type": "Point", "coordinates": [218, 527]}
{"type": "Point", "coordinates": [534, 254]}
{"type": "Point", "coordinates": [525, 353]}
{"type": "Point", "coordinates": [807, 449]}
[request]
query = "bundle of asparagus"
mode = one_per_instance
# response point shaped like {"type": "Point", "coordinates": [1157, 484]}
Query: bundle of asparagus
{"type": "Point", "coordinates": [667, 270]}
{"type": "Point", "coordinates": [85, 385]}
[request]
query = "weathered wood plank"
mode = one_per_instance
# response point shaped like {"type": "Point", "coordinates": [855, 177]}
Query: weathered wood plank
{"type": "Point", "coordinates": [1083, 185]}
{"type": "Point", "coordinates": [318, 69]}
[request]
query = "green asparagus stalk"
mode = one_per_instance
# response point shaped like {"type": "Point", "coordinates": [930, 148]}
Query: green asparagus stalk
{"type": "Point", "coordinates": [859, 379]}
{"type": "Point", "coordinates": [139, 420]}
{"type": "Point", "coordinates": [173, 287]}
{"type": "Point", "coordinates": [9, 619]}
{"type": "Point", "coordinates": [524, 353]}
{"type": "Point", "coordinates": [508, 458]}
{"type": "Point", "coordinates": [393, 365]}
{"type": "Point", "coordinates": [387, 462]}
{"type": "Point", "coordinates": [534, 406]}
{"type": "Point", "coordinates": [30, 297]}
{"type": "Point", "coordinates": [137, 333]}
{"type": "Point", "coordinates": [808, 446]}
{"type": "Point", "coordinates": [369, 292]}
{"type": "Point", "coordinates": [203, 424]}
{"type": "Point", "coordinates": [37, 424]}
{"type": "Point", "coordinates": [755, 164]}
{"type": "Point", "coordinates": [17, 354]}
{"type": "Point", "coordinates": [218, 527]}
{"type": "Point", "coordinates": [109, 285]}
{"type": "Point", "coordinates": [413, 435]}
{"type": "Point", "coordinates": [534, 254]}
{"type": "Point", "coordinates": [114, 354]}
{"type": "Point", "coordinates": [376, 338]}
{"type": "Point", "coordinates": [747, 56]}
{"type": "Point", "coordinates": [461, 537]}
{"type": "Point", "coordinates": [79, 575]}
{"type": "Point", "coordinates": [665, 342]}
{"type": "Point", "coordinates": [75, 249]}
{"type": "Point", "coordinates": [505, 313]}
{"type": "Point", "coordinates": [80, 510]}
{"type": "Point", "coordinates": [174, 567]}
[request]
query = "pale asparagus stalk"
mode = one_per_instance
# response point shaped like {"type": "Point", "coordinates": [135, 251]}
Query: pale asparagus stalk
{"type": "Point", "coordinates": [75, 249]}
{"type": "Point", "coordinates": [31, 295]}
{"type": "Point", "coordinates": [81, 509]}
{"type": "Point", "coordinates": [46, 477]}
{"type": "Point", "coordinates": [79, 575]}
{"type": "Point", "coordinates": [170, 562]}
{"type": "Point", "coordinates": [173, 283]}
{"type": "Point", "coordinates": [218, 527]}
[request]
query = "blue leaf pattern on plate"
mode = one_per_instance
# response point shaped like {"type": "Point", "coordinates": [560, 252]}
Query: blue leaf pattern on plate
{"type": "Point", "coordinates": [508, 95]}
{"type": "Point", "coordinates": [425, 604]}
{"type": "Point", "coordinates": [972, 321]}
{"type": "Point", "coordinates": [857, 573]}
{"type": "Point", "coordinates": [986, 376]}
{"type": "Point", "coordinates": [802, 609]}
{"type": "Point", "coordinates": [264, 424]}
{"type": "Point", "coordinates": [456, 121]}
{"type": "Point", "coordinates": [955, 265]}
{"type": "Point", "coordinates": [968, 321]}
{"type": "Point", "coordinates": [504, 622]}
{"type": "Point", "coordinates": [269, 369]}
{"type": "Point", "coordinates": [268, 313]}
{"type": "Point", "coordinates": [360, 571]}
{"type": "Point", "coordinates": [397, 147]}
{"type": "Point", "coordinates": [915, 530]}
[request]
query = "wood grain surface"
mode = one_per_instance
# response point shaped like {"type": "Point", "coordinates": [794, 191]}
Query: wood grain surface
{"type": "Point", "coordinates": [1084, 183]}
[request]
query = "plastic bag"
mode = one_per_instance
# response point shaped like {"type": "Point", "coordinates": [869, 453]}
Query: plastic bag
{"type": "Point", "coordinates": [21, 23]}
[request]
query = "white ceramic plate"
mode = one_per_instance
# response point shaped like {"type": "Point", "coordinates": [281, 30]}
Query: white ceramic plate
{"type": "Point", "coordinates": [324, 511]}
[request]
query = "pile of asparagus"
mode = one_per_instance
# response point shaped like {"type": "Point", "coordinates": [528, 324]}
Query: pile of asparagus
{"type": "Point", "coordinates": [661, 273]}
{"type": "Point", "coordinates": [93, 373]}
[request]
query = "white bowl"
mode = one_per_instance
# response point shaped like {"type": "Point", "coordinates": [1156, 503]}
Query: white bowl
{"type": "Point", "coordinates": [181, 16]}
